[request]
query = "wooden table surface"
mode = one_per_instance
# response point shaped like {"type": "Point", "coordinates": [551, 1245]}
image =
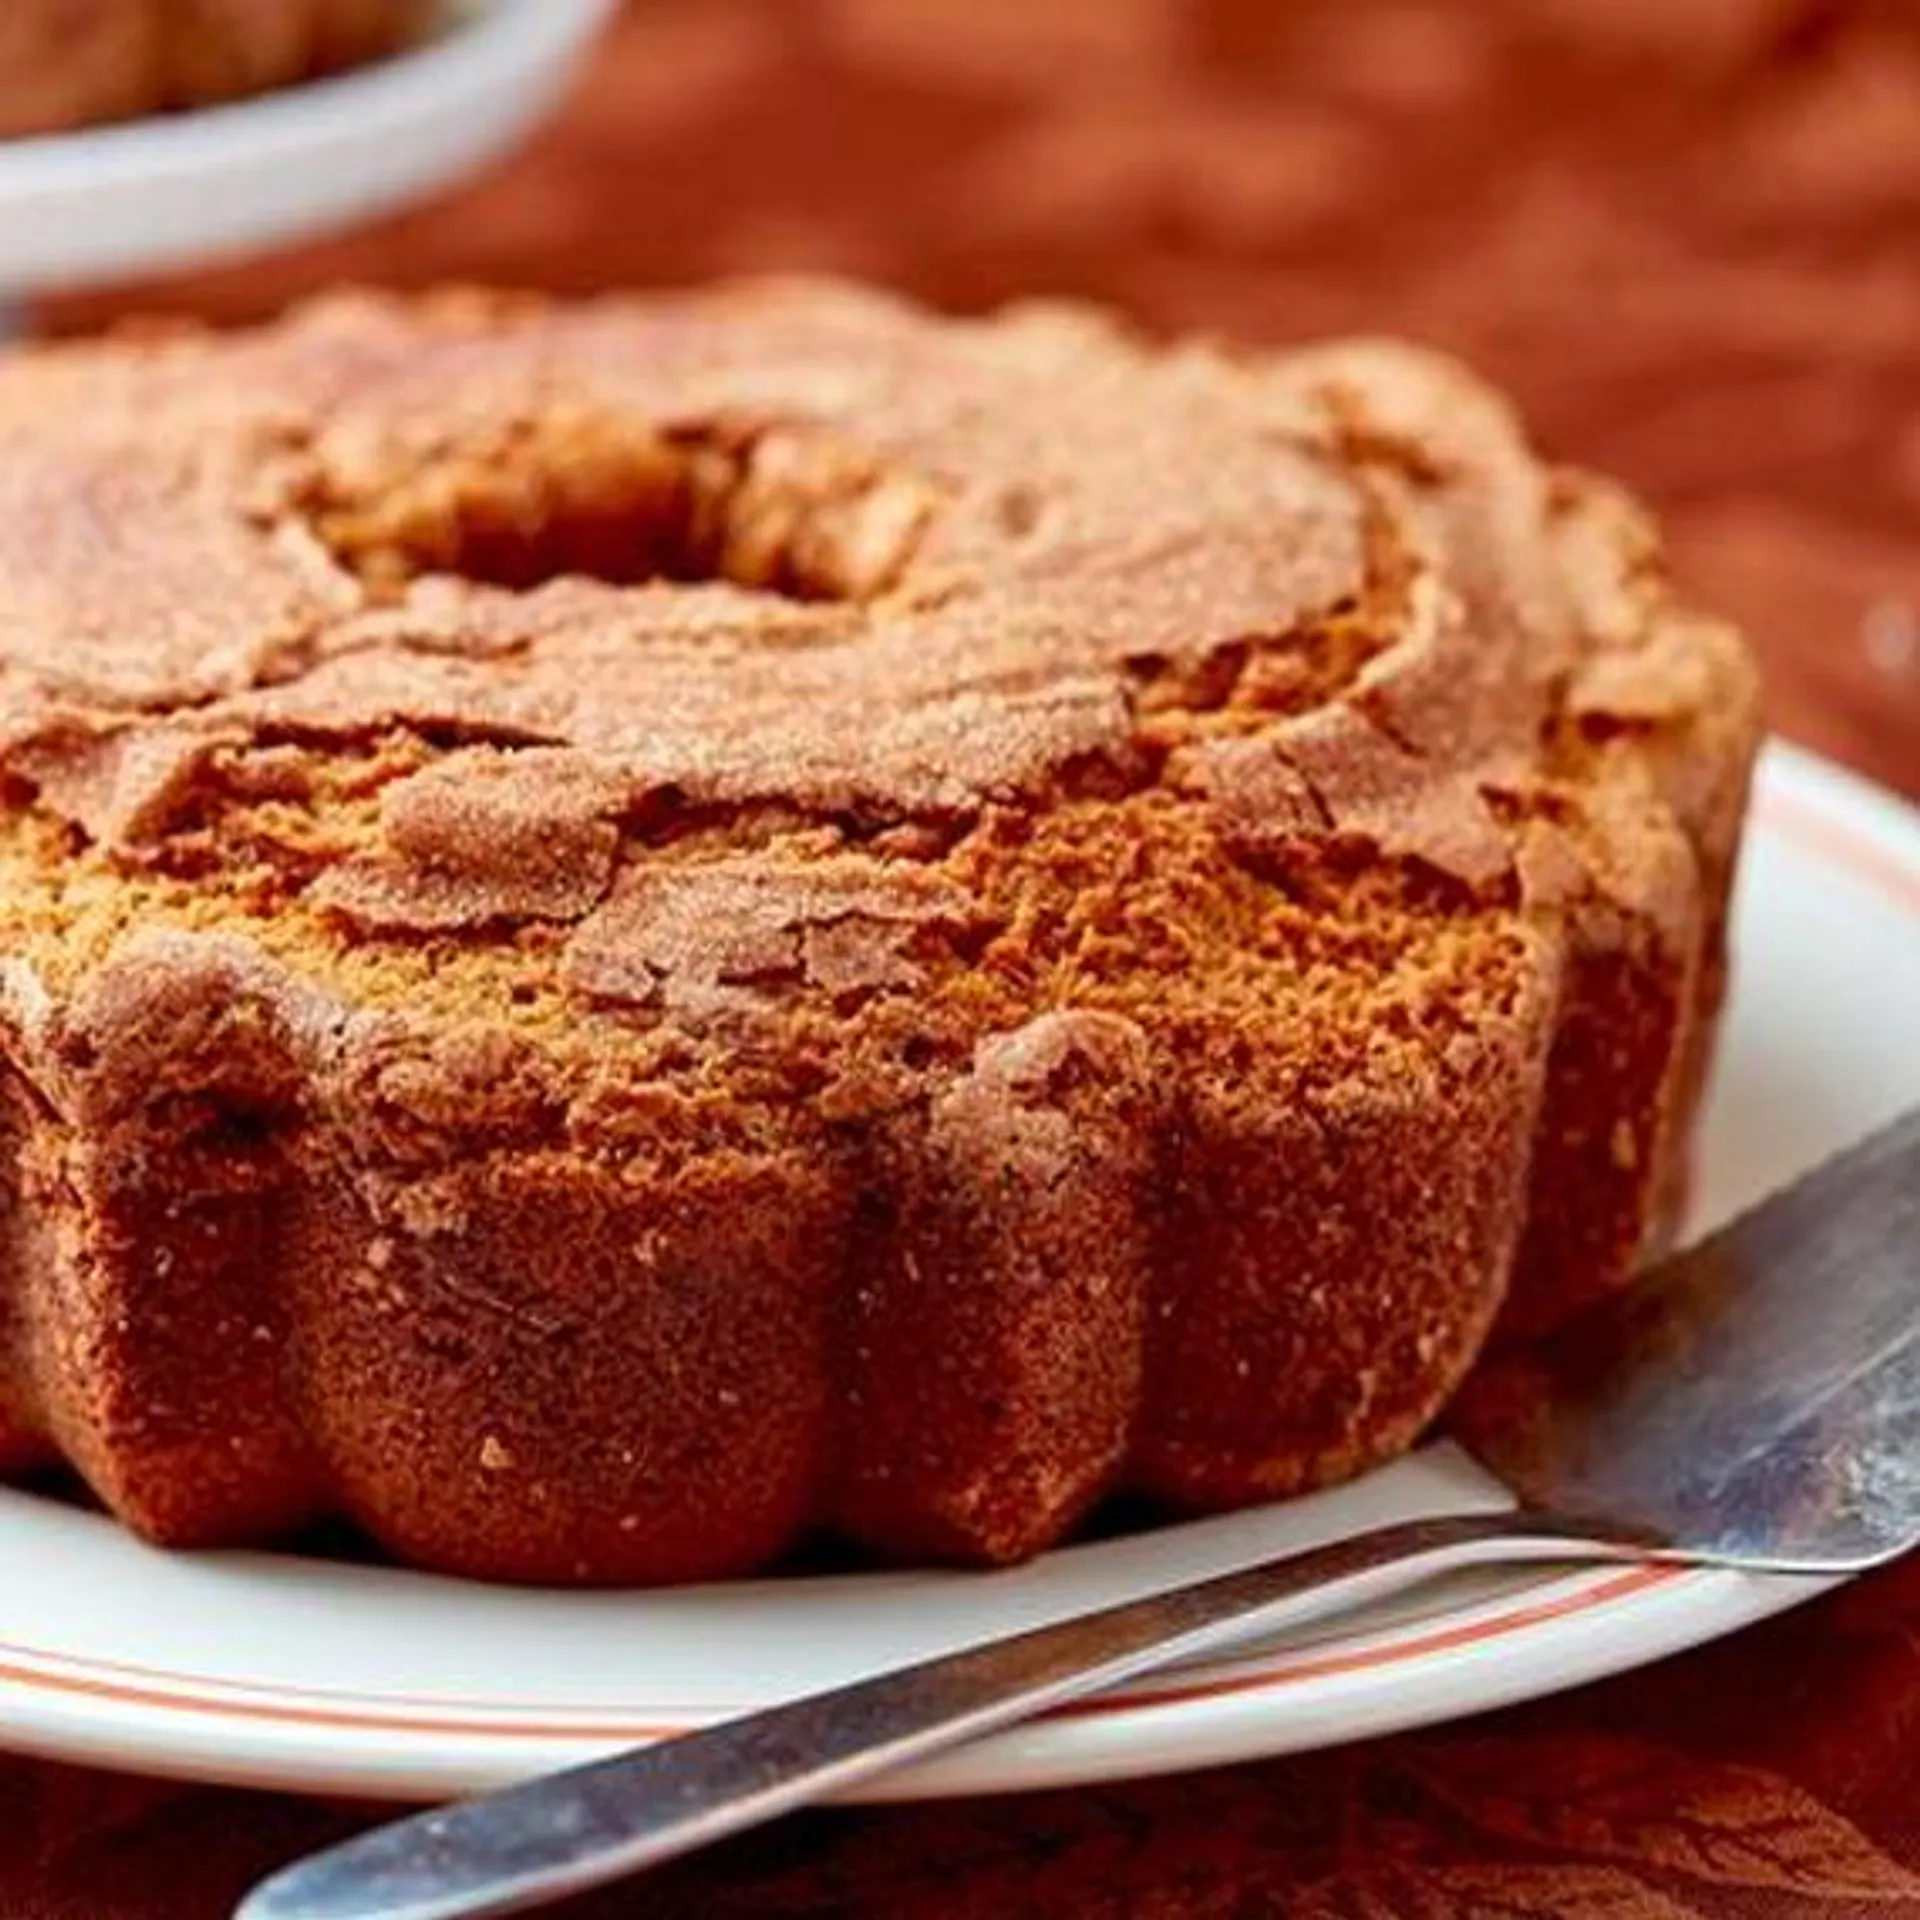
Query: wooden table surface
{"type": "Point", "coordinates": [1688, 237]}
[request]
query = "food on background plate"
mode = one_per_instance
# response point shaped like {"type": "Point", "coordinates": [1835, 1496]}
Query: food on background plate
{"type": "Point", "coordinates": [64, 66]}
{"type": "Point", "coordinates": [639, 930]}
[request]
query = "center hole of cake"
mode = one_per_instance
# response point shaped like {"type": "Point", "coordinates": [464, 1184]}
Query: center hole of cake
{"type": "Point", "coordinates": [790, 513]}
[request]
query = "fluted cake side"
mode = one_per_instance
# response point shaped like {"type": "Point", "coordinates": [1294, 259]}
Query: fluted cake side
{"type": "Point", "coordinates": [631, 931]}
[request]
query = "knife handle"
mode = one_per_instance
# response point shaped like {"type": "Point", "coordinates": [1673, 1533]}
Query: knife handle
{"type": "Point", "coordinates": [591, 1824]}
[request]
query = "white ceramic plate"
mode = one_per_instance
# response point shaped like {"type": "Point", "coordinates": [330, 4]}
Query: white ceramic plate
{"type": "Point", "coordinates": [86, 207]}
{"type": "Point", "coordinates": [272, 1669]}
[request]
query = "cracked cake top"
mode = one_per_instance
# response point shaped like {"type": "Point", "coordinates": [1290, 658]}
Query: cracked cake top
{"type": "Point", "coordinates": [804, 570]}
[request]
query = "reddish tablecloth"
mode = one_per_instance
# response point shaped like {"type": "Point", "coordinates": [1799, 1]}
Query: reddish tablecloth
{"type": "Point", "coordinates": [1687, 234]}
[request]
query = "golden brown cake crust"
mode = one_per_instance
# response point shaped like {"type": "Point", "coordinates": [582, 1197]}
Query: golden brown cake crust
{"type": "Point", "coordinates": [80, 63]}
{"type": "Point", "coordinates": [636, 929]}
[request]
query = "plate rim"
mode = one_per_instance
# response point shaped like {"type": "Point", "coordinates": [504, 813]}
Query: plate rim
{"type": "Point", "coordinates": [1541, 1636]}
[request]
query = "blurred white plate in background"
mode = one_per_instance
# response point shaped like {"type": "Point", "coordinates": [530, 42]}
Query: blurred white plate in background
{"type": "Point", "coordinates": [80, 209]}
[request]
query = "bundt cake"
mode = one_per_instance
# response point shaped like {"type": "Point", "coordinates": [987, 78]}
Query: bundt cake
{"type": "Point", "coordinates": [77, 63]}
{"type": "Point", "coordinates": [633, 932]}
